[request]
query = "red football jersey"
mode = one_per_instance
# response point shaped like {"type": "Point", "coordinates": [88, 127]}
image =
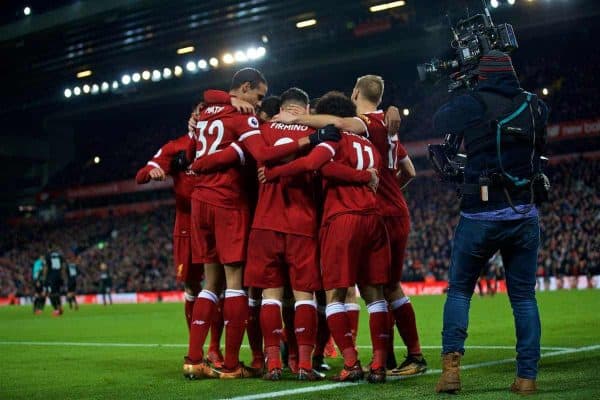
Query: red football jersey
{"type": "Point", "coordinates": [358, 152]}
{"type": "Point", "coordinates": [287, 204]}
{"type": "Point", "coordinates": [389, 194]}
{"type": "Point", "coordinates": [219, 126]}
{"type": "Point", "coordinates": [183, 181]}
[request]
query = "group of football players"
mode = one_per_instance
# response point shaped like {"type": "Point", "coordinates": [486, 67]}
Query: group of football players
{"type": "Point", "coordinates": [282, 211]}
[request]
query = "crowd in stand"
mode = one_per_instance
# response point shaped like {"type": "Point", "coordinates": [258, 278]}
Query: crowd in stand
{"type": "Point", "coordinates": [138, 248]}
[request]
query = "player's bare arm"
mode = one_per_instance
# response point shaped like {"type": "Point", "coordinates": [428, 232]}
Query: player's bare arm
{"type": "Point", "coordinates": [392, 120]}
{"type": "Point", "coordinates": [350, 124]}
{"type": "Point", "coordinates": [406, 172]}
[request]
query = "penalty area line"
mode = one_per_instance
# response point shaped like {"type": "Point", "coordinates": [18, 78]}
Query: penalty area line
{"type": "Point", "coordinates": [319, 388]}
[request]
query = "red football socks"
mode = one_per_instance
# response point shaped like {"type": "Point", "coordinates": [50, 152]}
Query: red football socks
{"type": "Point", "coordinates": [216, 329]}
{"type": "Point", "coordinates": [287, 313]}
{"type": "Point", "coordinates": [254, 332]}
{"type": "Point", "coordinates": [339, 325]}
{"type": "Point", "coordinates": [189, 308]}
{"type": "Point", "coordinates": [323, 333]}
{"type": "Point", "coordinates": [305, 323]}
{"type": "Point", "coordinates": [378, 325]}
{"type": "Point", "coordinates": [235, 314]}
{"type": "Point", "coordinates": [406, 323]}
{"type": "Point", "coordinates": [271, 325]}
{"type": "Point", "coordinates": [204, 309]}
{"type": "Point", "coordinates": [353, 311]}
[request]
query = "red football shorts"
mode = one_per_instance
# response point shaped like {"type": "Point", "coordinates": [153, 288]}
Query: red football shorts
{"type": "Point", "coordinates": [219, 235]}
{"type": "Point", "coordinates": [185, 271]}
{"type": "Point", "coordinates": [398, 229]}
{"type": "Point", "coordinates": [354, 249]}
{"type": "Point", "coordinates": [276, 258]}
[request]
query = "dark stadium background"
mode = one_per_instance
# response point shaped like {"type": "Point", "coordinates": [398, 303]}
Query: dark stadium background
{"type": "Point", "coordinates": [49, 141]}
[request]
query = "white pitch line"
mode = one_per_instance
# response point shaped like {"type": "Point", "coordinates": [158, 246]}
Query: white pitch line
{"type": "Point", "coordinates": [180, 345]}
{"type": "Point", "coordinates": [319, 388]}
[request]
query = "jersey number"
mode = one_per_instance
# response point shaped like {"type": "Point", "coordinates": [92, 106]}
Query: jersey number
{"type": "Point", "coordinates": [215, 127]}
{"type": "Point", "coordinates": [55, 263]}
{"type": "Point", "coordinates": [392, 154]}
{"type": "Point", "coordinates": [360, 149]}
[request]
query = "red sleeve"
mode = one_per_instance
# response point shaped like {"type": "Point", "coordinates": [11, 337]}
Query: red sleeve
{"type": "Point", "coordinates": [402, 153]}
{"type": "Point", "coordinates": [264, 153]}
{"type": "Point", "coordinates": [340, 172]}
{"type": "Point", "coordinates": [222, 159]}
{"type": "Point", "coordinates": [312, 162]}
{"type": "Point", "coordinates": [212, 96]}
{"type": "Point", "coordinates": [142, 175]}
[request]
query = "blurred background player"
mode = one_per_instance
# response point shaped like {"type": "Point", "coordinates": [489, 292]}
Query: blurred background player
{"type": "Point", "coordinates": [105, 283]}
{"type": "Point", "coordinates": [55, 276]}
{"type": "Point", "coordinates": [37, 277]}
{"type": "Point", "coordinates": [72, 274]}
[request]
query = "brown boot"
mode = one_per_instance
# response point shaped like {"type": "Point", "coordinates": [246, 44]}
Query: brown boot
{"type": "Point", "coordinates": [450, 379]}
{"type": "Point", "coordinates": [523, 386]}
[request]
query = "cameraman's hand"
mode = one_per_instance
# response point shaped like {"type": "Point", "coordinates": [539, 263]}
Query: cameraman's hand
{"type": "Point", "coordinates": [392, 120]}
{"type": "Point", "coordinates": [374, 182]}
{"type": "Point", "coordinates": [157, 174]}
{"type": "Point", "coordinates": [328, 133]}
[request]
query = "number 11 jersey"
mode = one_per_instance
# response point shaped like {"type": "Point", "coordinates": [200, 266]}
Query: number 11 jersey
{"type": "Point", "coordinates": [220, 126]}
{"type": "Point", "coordinates": [357, 152]}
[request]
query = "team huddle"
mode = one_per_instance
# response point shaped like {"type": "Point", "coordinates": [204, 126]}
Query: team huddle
{"type": "Point", "coordinates": [327, 214]}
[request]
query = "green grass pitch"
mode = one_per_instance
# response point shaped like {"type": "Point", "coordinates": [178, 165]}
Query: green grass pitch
{"type": "Point", "coordinates": [136, 352]}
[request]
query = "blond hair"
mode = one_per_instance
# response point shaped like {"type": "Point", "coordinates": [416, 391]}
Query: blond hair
{"type": "Point", "coordinates": [370, 87]}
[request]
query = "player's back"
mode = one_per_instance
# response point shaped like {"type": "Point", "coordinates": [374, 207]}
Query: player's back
{"type": "Point", "coordinates": [389, 194]}
{"type": "Point", "coordinates": [357, 152]}
{"type": "Point", "coordinates": [288, 204]}
{"type": "Point", "coordinates": [218, 126]}
{"type": "Point", "coordinates": [55, 263]}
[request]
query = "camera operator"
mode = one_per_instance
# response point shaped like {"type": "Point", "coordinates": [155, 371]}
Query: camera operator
{"type": "Point", "coordinates": [503, 129]}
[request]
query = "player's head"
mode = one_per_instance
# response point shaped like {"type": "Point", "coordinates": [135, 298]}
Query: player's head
{"type": "Point", "coordinates": [269, 107]}
{"type": "Point", "coordinates": [103, 266]}
{"type": "Point", "coordinates": [250, 85]}
{"type": "Point", "coordinates": [313, 105]}
{"type": "Point", "coordinates": [336, 103]}
{"type": "Point", "coordinates": [294, 100]}
{"type": "Point", "coordinates": [369, 88]}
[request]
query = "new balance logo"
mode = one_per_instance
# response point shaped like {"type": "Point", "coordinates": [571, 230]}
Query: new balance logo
{"type": "Point", "coordinates": [278, 331]}
{"type": "Point", "coordinates": [349, 334]}
{"type": "Point", "coordinates": [226, 322]}
{"type": "Point", "coordinates": [299, 330]}
{"type": "Point", "coordinates": [198, 322]}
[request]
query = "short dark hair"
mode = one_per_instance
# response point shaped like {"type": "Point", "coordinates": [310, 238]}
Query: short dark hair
{"type": "Point", "coordinates": [336, 103]}
{"type": "Point", "coordinates": [294, 95]}
{"type": "Point", "coordinates": [252, 75]}
{"type": "Point", "coordinates": [270, 106]}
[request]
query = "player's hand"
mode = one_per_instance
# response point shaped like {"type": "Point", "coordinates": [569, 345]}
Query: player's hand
{"type": "Point", "coordinates": [265, 175]}
{"type": "Point", "coordinates": [328, 133]}
{"type": "Point", "coordinates": [392, 120]}
{"type": "Point", "coordinates": [374, 182]}
{"type": "Point", "coordinates": [285, 117]}
{"type": "Point", "coordinates": [261, 175]}
{"type": "Point", "coordinates": [179, 161]}
{"type": "Point", "coordinates": [295, 109]}
{"type": "Point", "coordinates": [157, 174]}
{"type": "Point", "coordinates": [242, 106]}
{"type": "Point", "coordinates": [195, 117]}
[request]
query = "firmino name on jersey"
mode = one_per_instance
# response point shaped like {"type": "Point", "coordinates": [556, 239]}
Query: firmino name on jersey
{"type": "Point", "coordinates": [286, 127]}
{"type": "Point", "coordinates": [214, 109]}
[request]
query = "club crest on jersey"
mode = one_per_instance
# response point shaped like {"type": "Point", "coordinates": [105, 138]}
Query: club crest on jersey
{"type": "Point", "coordinates": [253, 122]}
{"type": "Point", "coordinates": [214, 109]}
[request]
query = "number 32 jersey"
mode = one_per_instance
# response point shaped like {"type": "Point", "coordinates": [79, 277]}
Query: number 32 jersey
{"type": "Point", "coordinates": [357, 152]}
{"type": "Point", "coordinates": [220, 126]}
